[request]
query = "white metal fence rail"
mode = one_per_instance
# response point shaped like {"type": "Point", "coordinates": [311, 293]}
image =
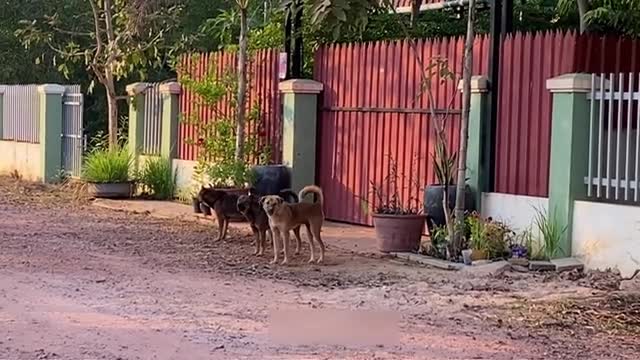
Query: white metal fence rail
{"type": "Point", "coordinates": [614, 139]}
{"type": "Point", "coordinates": [152, 125]}
{"type": "Point", "coordinates": [21, 113]}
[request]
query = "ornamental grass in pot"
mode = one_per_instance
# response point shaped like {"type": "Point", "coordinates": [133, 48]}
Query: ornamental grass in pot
{"type": "Point", "coordinates": [106, 170]}
{"type": "Point", "coordinates": [398, 222]}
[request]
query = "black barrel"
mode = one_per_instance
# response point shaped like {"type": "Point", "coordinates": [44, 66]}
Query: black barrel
{"type": "Point", "coordinates": [271, 179]}
{"type": "Point", "coordinates": [433, 203]}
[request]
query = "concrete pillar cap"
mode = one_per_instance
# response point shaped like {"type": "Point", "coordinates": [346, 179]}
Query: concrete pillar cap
{"type": "Point", "coordinates": [136, 88]}
{"type": "Point", "coordinates": [172, 88]}
{"type": "Point", "coordinates": [51, 89]}
{"type": "Point", "coordinates": [573, 83]}
{"type": "Point", "coordinates": [300, 86]}
{"type": "Point", "coordinates": [479, 84]}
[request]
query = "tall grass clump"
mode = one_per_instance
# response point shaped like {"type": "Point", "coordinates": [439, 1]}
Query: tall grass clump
{"type": "Point", "coordinates": [551, 233]}
{"type": "Point", "coordinates": [159, 178]}
{"type": "Point", "coordinates": [104, 165]}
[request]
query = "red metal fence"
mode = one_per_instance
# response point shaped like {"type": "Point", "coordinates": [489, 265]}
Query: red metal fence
{"type": "Point", "coordinates": [523, 132]}
{"type": "Point", "coordinates": [374, 110]}
{"type": "Point", "coordinates": [263, 91]}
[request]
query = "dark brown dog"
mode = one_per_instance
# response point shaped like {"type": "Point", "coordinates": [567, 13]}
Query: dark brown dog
{"type": "Point", "coordinates": [249, 205]}
{"type": "Point", "coordinates": [223, 205]}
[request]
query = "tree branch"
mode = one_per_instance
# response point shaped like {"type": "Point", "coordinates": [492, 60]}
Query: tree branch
{"type": "Point", "coordinates": [98, 30]}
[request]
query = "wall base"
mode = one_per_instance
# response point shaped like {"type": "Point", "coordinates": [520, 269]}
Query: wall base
{"type": "Point", "coordinates": [21, 157]}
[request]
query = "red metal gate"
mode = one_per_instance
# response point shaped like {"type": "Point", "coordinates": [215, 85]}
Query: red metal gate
{"type": "Point", "coordinates": [372, 112]}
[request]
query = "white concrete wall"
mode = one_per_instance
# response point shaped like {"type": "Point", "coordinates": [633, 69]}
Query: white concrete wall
{"type": "Point", "coordinates": [607, 236]}
{"type": "Point", "coordinates": [185, 172]}
{"type": "Point", "coordinates": [517, 211]}
{"type": "Point", "coordinates": [21, 157]}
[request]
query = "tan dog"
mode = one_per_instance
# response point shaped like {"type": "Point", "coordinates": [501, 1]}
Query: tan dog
{"type": "Point", "coordinates": [284, 217]}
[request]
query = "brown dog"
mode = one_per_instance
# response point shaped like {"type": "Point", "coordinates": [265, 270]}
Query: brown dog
{"type": "Point", "coordinates": [249, 206]}
{"type": "Point", "coordinates": [224, 206]}
{"type": "Point", "coordinates": [283, 217]}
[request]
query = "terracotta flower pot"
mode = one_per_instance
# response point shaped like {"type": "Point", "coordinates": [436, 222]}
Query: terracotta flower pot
{"type": "Point", "coordinates": [398, 233]}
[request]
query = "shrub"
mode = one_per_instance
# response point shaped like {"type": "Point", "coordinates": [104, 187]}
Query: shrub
{"type": "Point", "coordinates": [551, 233]}
{"type": "Point", "coordinates": [488, 235]}
{"type": "Point", "coordinates": [159, 178]}
{"type": "Point", "coordinates": [104, 165]}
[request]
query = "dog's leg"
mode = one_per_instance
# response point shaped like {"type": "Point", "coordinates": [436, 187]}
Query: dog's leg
{"type": "Point", "coordinates": [263, 235]}
{"type": "Point", "coordinates": [310, 239]}
{"type": "Point", "coordinates": [226, 227]}
{"type": "Point", "coordinates": [258, 236]}
{"type": "Point", "coordinates": [220, 227]}
{"type": "Point", "coordinates": [296, 233]}
{"type": "Point", "coordinates": [316, 232]}
{"type": "Point", "coordinates": [275, 234]}
{"type": "Point", "coordinates": [285, 246]}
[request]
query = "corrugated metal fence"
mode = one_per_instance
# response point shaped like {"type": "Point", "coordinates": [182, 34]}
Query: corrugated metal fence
{"type": "Point", "coordinates": [21, 113]}
{"type": "Point", "coordinates": [262, 92]}
{"type": "Point", "coordinates": [152, 126]}
{"type": "Point", "coordinates": [73, 139]}
{"type": "Point", "coordinates": [374, 111]}
{"type": "Point", "coordinates": [523, 132]}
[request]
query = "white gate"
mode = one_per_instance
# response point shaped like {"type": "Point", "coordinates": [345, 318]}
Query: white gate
{"type": "Point", "coordinates": [73, 139]}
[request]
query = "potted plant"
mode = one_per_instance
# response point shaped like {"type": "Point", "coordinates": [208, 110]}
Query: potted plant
{"type": "Point", "coordinates": [488, 239]}
{"type": "Point", "coordinates": [107, 170]}
{"type": "Point", "coordinates": [444, 165]}
{"type": "Point", "coordinates": [398, 222]}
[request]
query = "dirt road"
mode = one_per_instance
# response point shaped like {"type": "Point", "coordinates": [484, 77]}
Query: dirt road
{"type": "Point", "coordinates": [78, 282]}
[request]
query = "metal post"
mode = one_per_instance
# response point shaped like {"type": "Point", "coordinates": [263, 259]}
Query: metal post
{"type": "Point", "coordinates": [296, 57]}
{"type": "Point", "coordinates": [287, 40]}
{"type": "Point", "coordinates": [494, 75]}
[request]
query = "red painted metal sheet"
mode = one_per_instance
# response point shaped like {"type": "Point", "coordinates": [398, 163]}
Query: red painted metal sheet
{"type": "Point", "coordinates": [523, 130]}
{"type": "Point", "coordinates": [262, 91]}
{"type": "Point", "coordinates": [523, 133]}
{"type": "Point", "coordinates": [370, 91]}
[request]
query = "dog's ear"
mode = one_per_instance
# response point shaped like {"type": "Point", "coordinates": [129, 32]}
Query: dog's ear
{"type": "Point", "coordinates": [280, 200]}
{"type": "Point", "coordinates": [262, 199]}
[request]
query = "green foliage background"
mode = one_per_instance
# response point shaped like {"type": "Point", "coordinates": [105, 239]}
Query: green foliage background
{"type": "Point", "coordinates": [209, 25]}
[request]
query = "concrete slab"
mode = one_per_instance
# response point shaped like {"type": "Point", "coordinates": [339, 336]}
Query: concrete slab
{"type": "Point", "coordinates": [541, 266]}
{"type": "Point", "coordinates": [567, 264]}
{"type": "Point", "coordinates": [519, 261]}
{"type": "Point", "coordinates": [429, 261]}
{"type": "Point", "coordinates": [490, 269]}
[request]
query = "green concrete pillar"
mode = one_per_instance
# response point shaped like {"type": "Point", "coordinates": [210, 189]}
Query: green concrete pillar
{"type": "Point", "coordinates": [170, 119]}
{"type": "Point", "coordinates": [50, 131]}
{"type": "Point", "coordinates": [569, 149]}
{"type": "Point", "coordinates": [299, 130]}
{"type": "Point", "coordinates": [136, 118]}
{"type": "Point", "coordinates": [2, 87]}
{"type": "Point", "coordinates": [479, 140]}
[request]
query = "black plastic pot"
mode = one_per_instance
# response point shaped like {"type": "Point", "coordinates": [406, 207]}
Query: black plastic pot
{"type": "Point", "coordinates": [433, 203]}
{"type": "Point", "coordinates": [271, 179]}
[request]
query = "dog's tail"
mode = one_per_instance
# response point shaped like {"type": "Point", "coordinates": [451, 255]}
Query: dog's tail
{"type": "Point", "coordinates": [312, 189]}
{"type": "Point", "coordinates": [289, 195]}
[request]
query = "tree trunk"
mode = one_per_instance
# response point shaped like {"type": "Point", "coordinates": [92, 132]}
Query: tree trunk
{"type": "Point", "coordinates": [464, 131]}
{"type": "Point", "coordinates": [415, 12]}
{"type": "Point", "coordinates": [112, 105]}
{"type": "Point", "coordinates": [583, 7]}
{"type": "Point", "coordinates": [242, 86]}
